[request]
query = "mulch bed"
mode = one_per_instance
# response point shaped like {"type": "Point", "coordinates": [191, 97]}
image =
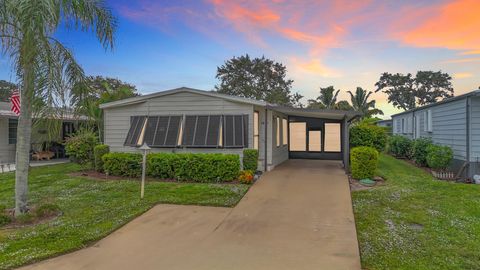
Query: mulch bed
{"type": "Point", "coordinates": [355, 184]}
{"type": "Point", "coordinates": [94, 175]}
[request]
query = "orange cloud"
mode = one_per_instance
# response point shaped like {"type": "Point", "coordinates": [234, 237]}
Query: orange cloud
{"type": "Point", "coordinates": [455, 26]}
{"type": "Point", "coordinates": [462, 60]}
{"type": "Point", "coordinates": [462, 75]}
{"type": "Point", "coordinates": [470, 52]}
{"type": "Point", "coordinates": [313, 66]}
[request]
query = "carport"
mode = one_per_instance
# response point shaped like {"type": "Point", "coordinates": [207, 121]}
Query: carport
{"type": "Point", "coordinates": [318, 133]}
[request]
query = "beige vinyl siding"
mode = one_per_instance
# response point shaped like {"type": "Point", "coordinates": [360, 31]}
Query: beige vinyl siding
{"type": "Point", "coordinates": [117, 119]}
{"type": "Point", "coordinates": [7, 151]}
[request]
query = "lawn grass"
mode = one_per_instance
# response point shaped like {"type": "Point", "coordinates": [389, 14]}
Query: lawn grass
{"type": "Point", "coordinates": [91, 209]}
{"type": "Point", "coordinates": [417, 222]}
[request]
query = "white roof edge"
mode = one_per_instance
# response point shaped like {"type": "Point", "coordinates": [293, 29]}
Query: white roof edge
{"type": "Point", "coordinates": [144, 98]}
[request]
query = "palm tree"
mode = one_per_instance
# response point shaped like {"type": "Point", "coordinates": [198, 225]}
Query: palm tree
{"type": "Point", "coordinates": [326, 100]}
{"type": "Point", "coordinates": [361, 104]}
{"type": "Point", "coordinates": [42, 64]}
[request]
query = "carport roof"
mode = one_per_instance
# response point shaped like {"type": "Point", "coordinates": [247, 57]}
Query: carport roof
{"type": "Point", "coordinates": [316, 113]}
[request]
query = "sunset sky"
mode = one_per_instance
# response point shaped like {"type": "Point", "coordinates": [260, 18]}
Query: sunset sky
{"type": "Point", "coordinates": [167, 44]}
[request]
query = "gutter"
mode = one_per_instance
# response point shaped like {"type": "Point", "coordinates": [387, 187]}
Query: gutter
{"type": "Point", "coordinates": [467, 132]}
{"type": "Point", "coordinates": [266, 142]}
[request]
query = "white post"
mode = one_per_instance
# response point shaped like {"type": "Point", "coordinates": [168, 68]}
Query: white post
{"type": "Point", "coordinates": [144, 163]}
{"type": "Point", "coordinates": [145, 149]}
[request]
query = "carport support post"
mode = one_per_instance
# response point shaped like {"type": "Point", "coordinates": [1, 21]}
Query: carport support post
{"type": "Point", "coordinates": [145, 149]}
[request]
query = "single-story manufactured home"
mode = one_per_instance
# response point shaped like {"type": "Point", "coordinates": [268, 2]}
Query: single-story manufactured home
{"type": "Point", "coordinates": [191, 120]}
{"type": "Point", "coordinates": [42, 137]}
{"type": "Point", "coordinates": [454, 122]}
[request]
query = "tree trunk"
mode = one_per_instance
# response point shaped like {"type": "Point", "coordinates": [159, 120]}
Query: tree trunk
{"type": "Point", "coordinates": [24, 132]}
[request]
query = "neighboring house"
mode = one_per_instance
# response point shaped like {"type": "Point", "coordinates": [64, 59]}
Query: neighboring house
{"type": "Point", "coordinates": [454, 122]}
{"type": "Point", "coordinates": [40, 134]}
{"type": "Point", "coordinates": [384, 123]}
{"type": "Point", "coordinates": [190, 120]}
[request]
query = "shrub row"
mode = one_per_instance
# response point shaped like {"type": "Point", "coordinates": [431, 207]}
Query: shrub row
{"type": "Point", "coordinates": [368, 135]}
{"type": "Point", "coordinates": [422, 151]}
{"type": "Point", "coordinates": [250, 160]}
{"type": "Point", "coordinates": [181, 167]}
{"type": "Point", "coordinates": [364, 161]}
{"type": "Point", "coordinates": [98, 152]}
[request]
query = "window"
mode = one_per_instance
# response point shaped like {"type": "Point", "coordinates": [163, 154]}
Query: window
{"type": "Point", "coordinates": [12, 131]}
{"type": "Point", "coordinates": [403, 125]}
{"type": "Point", "coordinates": [284, 131]}
{"type": "Point", "coordinates": [256, 130]}
{"type": "Point", "coordinates": [298, 137]}
{"type": "Point", "coordinates": [332, 137]}
{"type": "Point", "coordinates": [189, 131]}
{"type": "Point", "coordinates": [315, 140]}
{"type": "Point", "coordinates": [163, 131]}
{"type": "Point", "coordinates": [137, 125]}
{"type": "Point", "coordinates": [202, 131]}
{"type": "Point", "coordinates": [235, 131]}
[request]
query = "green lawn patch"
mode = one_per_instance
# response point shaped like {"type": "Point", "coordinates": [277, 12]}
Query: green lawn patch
{"type": "Point", "coordinates": [416, 222]}
{"type": "Point", "coordinates": [91, 209]}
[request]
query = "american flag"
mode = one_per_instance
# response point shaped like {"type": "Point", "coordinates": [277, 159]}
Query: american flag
{"type": "Point", "coordinates": [15, 100]}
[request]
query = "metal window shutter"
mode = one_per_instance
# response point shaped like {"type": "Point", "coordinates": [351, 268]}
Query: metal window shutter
{"type": "Point", "coordinates": [245, 131]}
{"type": "Point", "coordinates": [228, 131]}
{"type": "Point", "coordinates": [160, 131]}
{"type": "Point", "coordinates": [201, 131]}
{"type": "Point", "coordinates": [150, 130]}
{"type": "Point", "coordinates": [136, 125]}
{"type": "Point", "coordinates": [173, 130]}
{"type": "Point", "coordinates": [189, 130]}
{"type": "Point", "coordinates": [213, 131]}
{"type": "Point", "coordinates": [239, 135]}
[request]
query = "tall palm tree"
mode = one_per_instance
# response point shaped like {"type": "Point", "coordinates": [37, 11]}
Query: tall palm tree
{"type": "Point", "coordinates": [44, 66]}
{"type": "Point", "coordinates": [326, 100]}
{"type": "Point", "coordinates": [361, 104]}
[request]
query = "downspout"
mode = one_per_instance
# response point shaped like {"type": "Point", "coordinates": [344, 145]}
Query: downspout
{"type": "Point", "coordinates": [266, 143]}
{"type": "Point", "coordinates": [467, 132]}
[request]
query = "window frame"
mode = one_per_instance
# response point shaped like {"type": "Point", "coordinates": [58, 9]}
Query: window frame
{"type": "Point", "coordinates": [277, 132]}
{"type": "Point", "coordinates": [284, 131]}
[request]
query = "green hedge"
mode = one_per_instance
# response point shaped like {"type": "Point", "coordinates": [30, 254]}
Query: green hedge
{"type": "Point", "coordinates": [182, 167]}
{"type": "Point", "coordinates": [419, 150]}
{"type": "Point", "coordinates": [98, 152]}
{"type": "Point", "coordinates": [368, 135]}
{"type": "Point", "coordinates": [123, 164]}
{"type": "Point", "coordinates": [250, 159]}
{"type": "Point", "coordinates": [400, 146]}
{"type": "Point", "coordinates": [364, 161]}
{"type": "Point", "coordinates": [439, 156]}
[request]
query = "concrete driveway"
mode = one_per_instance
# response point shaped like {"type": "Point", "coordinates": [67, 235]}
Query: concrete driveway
{"type": "Point", "coordinates": [298, 216]}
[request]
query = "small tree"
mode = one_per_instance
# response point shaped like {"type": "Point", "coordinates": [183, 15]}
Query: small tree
{"type": "Point", "coordinates": [326, 100]}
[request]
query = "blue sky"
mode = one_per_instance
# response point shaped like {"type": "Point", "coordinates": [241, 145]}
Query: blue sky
{"type": "Point", "coordinates": [166, 44]}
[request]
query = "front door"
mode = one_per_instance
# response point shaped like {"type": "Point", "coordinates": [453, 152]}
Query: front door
{"type": "Point", "coordinates": [315, 138]}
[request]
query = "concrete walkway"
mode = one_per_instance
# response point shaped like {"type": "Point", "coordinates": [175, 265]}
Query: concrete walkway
{"type": "Point", "coordinates": [298, 216]}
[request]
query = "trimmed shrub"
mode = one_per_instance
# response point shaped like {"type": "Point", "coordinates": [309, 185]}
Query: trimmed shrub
{"type": "Point", "coordinates": [80, 146]}
{"type": "Point", "coordinates": [400, 146]}
{"type": "Point", "coordinates": [419, 150]}
{"type": "Point", "coordinates": [207, 167]}
{"type": "Point", "coordinates": [368, 135]}
{"type": "Point", "coordinates": [183, 167]}
{"type": "Point", "coordinates": [98, 152]}
{"type": "Point", "coordinates": [364, 161]}
{"type": "Point", "coordinates": [123, 164]}
{"type": "Point", "coordinates": [439, 156]}
{"type": "Point", "coordinates": [246, 177]}
{"type": "Point", "coordinates": [250, 159]}
{"type": "Point", "coordinates": [162, 165]}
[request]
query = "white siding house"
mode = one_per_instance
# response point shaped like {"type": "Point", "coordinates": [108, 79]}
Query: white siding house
{"type": "Point", "coordinates": [265, 126]}
{"type": "Point", "coordinates": [454, 122]}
